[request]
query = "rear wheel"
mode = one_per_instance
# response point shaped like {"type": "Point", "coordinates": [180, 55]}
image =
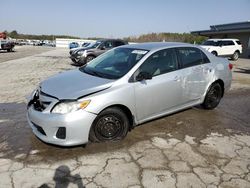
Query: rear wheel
{"type": "Point", "coordinates": [214, 53]}
{"type": "Point", "coordinates": [213, 97]}
{"type": "Point", "coordinates": [110, 124]}
{"type": "Point", "coordinates": [235, 56]}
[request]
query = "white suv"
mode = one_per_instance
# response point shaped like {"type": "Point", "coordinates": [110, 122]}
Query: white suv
{"type": "Point", "coordinates": [224, 47]}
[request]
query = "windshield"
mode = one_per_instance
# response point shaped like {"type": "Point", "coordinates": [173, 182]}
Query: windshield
{"type": "Point", "coordinates": [96, 44]}
{"type": "Point", "coordinates": [86, 44]}
{"type": "Point", "coordinates": [115, 63]}
{"type": "Point", "coordinates": [210, 43]}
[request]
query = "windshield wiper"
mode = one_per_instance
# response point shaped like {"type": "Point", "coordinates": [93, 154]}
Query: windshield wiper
{"type": "Point", "coordinates": [91, 72]}
{"type": "Point", "coordinates": [97, 74]}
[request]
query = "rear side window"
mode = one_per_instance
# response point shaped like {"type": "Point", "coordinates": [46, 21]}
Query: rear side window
{"type": "Point", "coordinates": [238, 42]}
{"type": "Point", "coordinates": [204, 58]}
{"type": "Point", "coordinates": [227, 43]}
{"type": "Point", "coordinates": [191, 56]}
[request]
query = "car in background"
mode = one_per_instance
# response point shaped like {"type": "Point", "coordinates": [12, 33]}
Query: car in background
{"type": "Point", "coordinates": [84, 55]}
{"type": "Point", "coordinates": [73, 45]}
{"type": "Point", "coordinates": [7, 45]}
{"type": "Point", "coordinates": [84, 45]}
{"type": "Point", "coordinates": [125, 87]}
{"type": "Point", "coordinates": [231, 48]}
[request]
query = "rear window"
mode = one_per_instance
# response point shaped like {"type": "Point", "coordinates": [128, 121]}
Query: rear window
{"type": "Point", "coordinates": [190, 56]}
{"type": "Point", "coordinates": [226, 43]}
{"type": "Point", "coordinates": [238, 42]}
{"type": "Point", "coordinates": [205, 58]}
{"type": "Point", "coordinates": [118, 43]}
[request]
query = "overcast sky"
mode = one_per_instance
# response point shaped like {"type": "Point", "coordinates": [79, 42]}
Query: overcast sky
{"type": "Point", "coordinates": [118, 18]}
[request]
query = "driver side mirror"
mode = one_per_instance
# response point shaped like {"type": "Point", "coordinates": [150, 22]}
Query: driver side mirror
{"type": "Point", "coordinates": [143, 76]}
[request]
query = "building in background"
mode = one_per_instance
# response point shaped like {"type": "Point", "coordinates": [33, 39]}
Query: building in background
{"type": "Point", "coordinates": [64, 43]}
{"type": "Point", "coordinates": [238, 30]}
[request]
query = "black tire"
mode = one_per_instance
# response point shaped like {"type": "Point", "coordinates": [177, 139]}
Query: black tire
{"type": "Point", "coordinates": [235, 56]}
{"type": "Point", "coordinates": [213, 97]}
{"type": "Point", "coordinates": [214, 53]}
{"type": "Point", "coordinates": [89, 58]}
{"type": "Point", "coordinates": [110, 125]}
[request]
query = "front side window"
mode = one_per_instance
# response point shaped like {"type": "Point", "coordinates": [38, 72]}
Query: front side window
{"type": "Point", "coordinates": [95, 45]}
{"type": "Point", "coordinates": [108, 44]}
{"type": "Point", "coordinates": [115, 63]}
{"type": "Point", "coordinates": [210, 43]}
{"type": "Point", "coordinates": [190, 56]}
{"type": "Point", "coordinates": [160, 62]}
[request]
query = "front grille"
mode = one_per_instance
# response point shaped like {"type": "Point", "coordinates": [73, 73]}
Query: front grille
{"type": "Point", "coordinates": [39, 129]}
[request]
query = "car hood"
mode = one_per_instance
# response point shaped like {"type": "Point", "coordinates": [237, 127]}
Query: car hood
{"type": "Point", "coordinates": [74, 84]}
{"type": "Point", "coordinates": [84, 48]}
{"type": "Point", "coordinates": [73, 49]}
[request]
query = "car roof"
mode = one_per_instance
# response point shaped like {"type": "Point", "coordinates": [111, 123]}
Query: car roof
{"type": "Point", "coordinates": [155, 45]}
{"type": "Point", "coordinates": [102, 40]}
{"type": "Point", "coordinates": [221, 39]}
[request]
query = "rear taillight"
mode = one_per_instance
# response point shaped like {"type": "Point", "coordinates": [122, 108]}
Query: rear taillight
{"type": "Point", "coordinates": [230, 66]}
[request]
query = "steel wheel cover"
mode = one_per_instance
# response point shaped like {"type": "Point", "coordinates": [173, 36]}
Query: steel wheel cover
{"type": "Point", "coordinates": [109, 127]}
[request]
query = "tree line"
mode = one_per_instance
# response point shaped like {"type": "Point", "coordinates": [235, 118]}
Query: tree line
{"type": "Point", "coordinates": [167, 37]}
{"type": "Point", "coordinates": [14, 34]}
{"type": "Point", "coordinates": [151, 37]}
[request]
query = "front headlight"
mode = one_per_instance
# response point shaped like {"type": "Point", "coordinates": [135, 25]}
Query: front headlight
{"type": "Point", "coordinates": [67, 107]}
{"type": "Point", "coordinates": [31, 96]}
{"type": "Point", "coordinates": [82, 53]}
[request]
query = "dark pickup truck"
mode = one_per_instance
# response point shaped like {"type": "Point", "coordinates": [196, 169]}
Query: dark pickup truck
{"type": "Point", "coordinates": [7, 45]}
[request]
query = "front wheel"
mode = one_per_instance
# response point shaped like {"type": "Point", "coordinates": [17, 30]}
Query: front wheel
{"type": "Point", "coordinates": [110, 124]}
{"type": "Point", "coordinates": [89, 58]}
{"type": "Point", "coordinates": [235, 56]}
{"type": "Point", "coordinates": [213, 97]}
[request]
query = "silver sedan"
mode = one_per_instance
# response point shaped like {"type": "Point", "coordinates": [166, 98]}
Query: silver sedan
{"type": "Point", "coordinates": [124, 87]}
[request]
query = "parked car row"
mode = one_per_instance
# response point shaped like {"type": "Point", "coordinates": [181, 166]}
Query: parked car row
{"type": "Point", "coordinates": [83, 55]}
{"type": "Point", "coordinates": [22, 42]}
{"type": "Point", "coordinates": [231, 48]}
